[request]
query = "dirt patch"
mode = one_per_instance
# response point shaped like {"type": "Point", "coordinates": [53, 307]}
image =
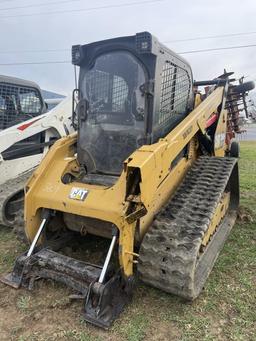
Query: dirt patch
{"type": "Point", "coordinates": [163, 331]}
{"type": "Point", "coordinates": [245, 215]}
{"type": "Point", "coordinates": [46, 313]}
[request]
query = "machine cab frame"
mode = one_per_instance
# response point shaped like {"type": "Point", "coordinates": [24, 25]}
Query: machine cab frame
{"type": "Point", "coordinates": [132, 92]}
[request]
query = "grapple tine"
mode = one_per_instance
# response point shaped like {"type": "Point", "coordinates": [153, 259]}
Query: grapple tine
{"type": "Point", "coordinates": [51, 265]}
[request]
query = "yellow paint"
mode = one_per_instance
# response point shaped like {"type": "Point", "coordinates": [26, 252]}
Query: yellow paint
{"type": "Point", "coordinates": [159, 181]}
{"type": "Point", "coordinates": [198, 99]}
{"type": "Point", "coordinates": [220, 212]}
{"type": "Point", "coordinates": [220, 146]}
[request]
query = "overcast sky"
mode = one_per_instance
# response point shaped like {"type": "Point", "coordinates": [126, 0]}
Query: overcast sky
{"type": "Point", "coordinates": [167, 20]}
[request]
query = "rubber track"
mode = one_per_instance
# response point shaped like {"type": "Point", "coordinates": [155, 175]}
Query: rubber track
{"type": "Point", "coordinates": [170, 255]}
{"type": "Point", "coordinates": [7, 191]}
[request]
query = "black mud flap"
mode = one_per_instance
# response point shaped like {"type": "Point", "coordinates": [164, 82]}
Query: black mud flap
{"type": "Point", "coordinates": [104, 302]}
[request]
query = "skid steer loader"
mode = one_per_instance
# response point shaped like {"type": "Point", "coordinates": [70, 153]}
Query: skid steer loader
{"type": "Point", "coordinates": [26, 132]}
{"type": "Point", "coordinates": [150, 168]}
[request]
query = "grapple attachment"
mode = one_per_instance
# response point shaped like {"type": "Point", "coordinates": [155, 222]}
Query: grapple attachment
{"type": "Point", "coordinates": [49, 264]}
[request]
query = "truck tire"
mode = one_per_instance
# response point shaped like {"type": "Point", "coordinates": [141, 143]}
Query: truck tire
{"type": "Point", "coordinates": [234, 149]}
{"type": "Point", "coordinates": [244, 87]}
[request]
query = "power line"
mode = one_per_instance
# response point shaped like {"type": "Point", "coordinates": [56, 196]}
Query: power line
{"type": "Point", "coordinates": [37, 63]}
{"type": "Point", "coordinates": [184, 52]}
{"type": "Point", "coordinates": [83, 9]}
{"type": "Point", "coordinates": [6, 1]}
{"type": "Point", "coordinates": [38, 5]}
{"type": "Point", "coordinates": [212, 37]}
{"type": "Point", "coordinates": [35, 51]}
{"type": "Point", "coordinates": [218, 49]}
{"type": "Point", "coordinates": [2, 1]}
{"type": "Point", "coordinates": [166, 42]}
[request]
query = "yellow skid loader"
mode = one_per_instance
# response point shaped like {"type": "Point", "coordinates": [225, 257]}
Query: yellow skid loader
{"type": "Point", "coordinates": [151, 168]}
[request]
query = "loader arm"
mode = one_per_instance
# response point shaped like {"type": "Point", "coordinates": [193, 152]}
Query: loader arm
{"type": "Point", "coordinates": [160, 156]}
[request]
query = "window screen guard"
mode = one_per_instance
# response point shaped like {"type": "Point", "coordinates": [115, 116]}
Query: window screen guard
{"type": "Point", "coordinates": [18, 104]}
{"type": "Point", "coordinates": [175, 87]}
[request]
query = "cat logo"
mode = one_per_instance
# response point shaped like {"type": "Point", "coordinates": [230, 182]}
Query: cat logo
{"type": "Point", "coordinates": [78, 193]}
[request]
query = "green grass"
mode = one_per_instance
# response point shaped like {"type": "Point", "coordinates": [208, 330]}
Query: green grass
{"type": "Point", "coordinates": [247, 167]}
{"type": "Point", "coordinates": [134, 328]}
{"type": "Point", "coordinates": [79, 336]}
{"type": "Point", "coordinates": [224, 311]}
{"type": "Point", "coordinates": [10, 248]}
{"type": "Point", "coordinates": [23, 302]}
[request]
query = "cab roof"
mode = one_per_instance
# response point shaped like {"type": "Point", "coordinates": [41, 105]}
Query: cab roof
{"type": "Point", "coordinates": [19, 82]}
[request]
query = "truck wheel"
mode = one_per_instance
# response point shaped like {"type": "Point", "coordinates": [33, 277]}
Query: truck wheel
{"type": "Point", "coordinates": [244, 87]}
{"type": "Point", "coordinates": [234, 149]}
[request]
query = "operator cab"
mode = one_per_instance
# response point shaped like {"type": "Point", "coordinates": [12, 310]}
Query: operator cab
{"type": "Point", "coordinates": [132, 91]}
